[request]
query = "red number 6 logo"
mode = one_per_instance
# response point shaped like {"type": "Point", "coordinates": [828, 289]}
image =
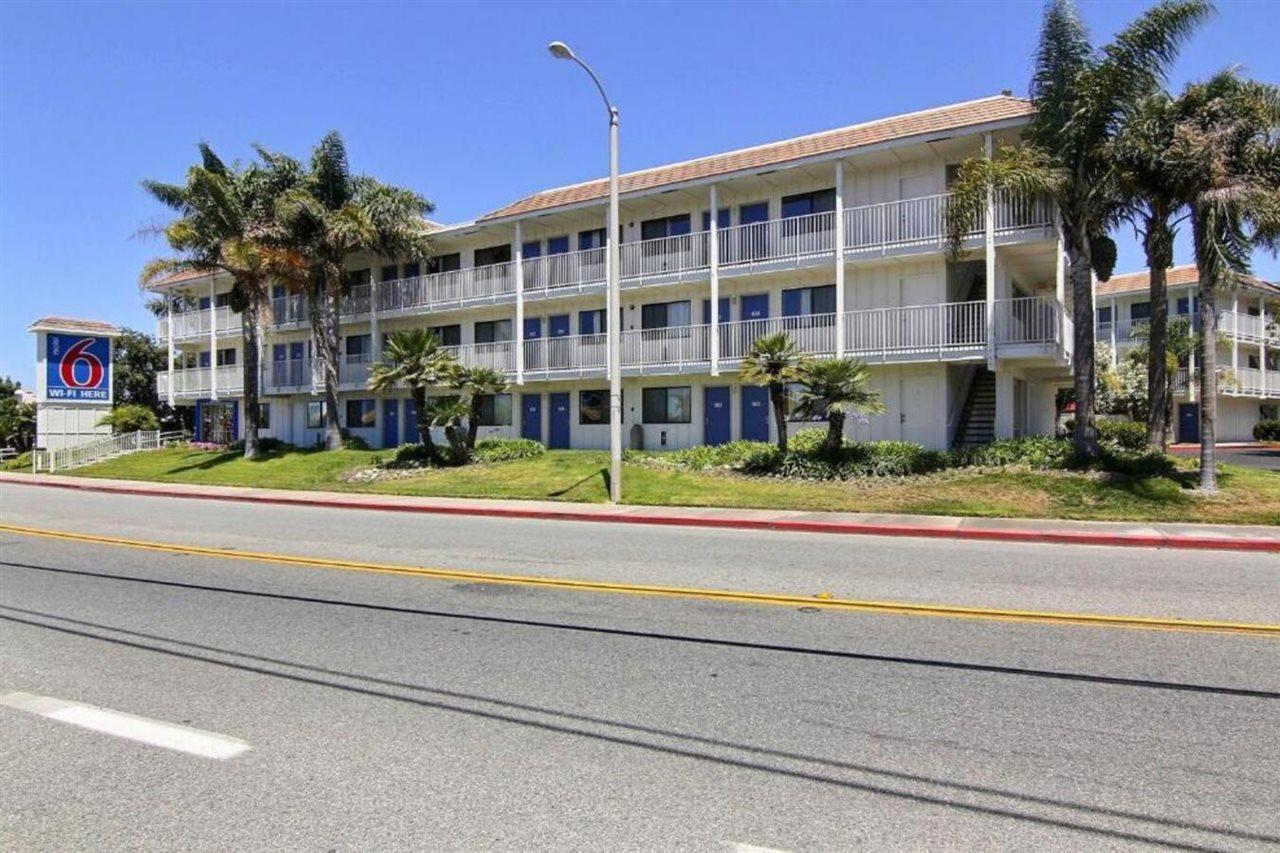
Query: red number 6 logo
{"type": "Point", "coordinates": [78, 353]}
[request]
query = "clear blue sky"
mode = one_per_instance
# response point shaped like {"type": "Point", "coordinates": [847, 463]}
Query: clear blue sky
{"type": "Point", "coordinates": [462, 103]}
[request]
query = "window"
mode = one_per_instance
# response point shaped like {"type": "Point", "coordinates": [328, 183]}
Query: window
{"type": "Point", "coordinates": [801, 301]}
{"type": "Point", "coordinates": [1253, 361]}
{"type": "Point", "coordinates": [1140, 311]}
{"type": "Point", "coordinates": [558, 245]}
{"type": "Point", "coordinates": [802, 204]}
{"type": "Point", "coordinates": [204, 358]}
{"type": "Point", "coordinates": [1187, 305]}
{"type": "Point", "coordinates": [359, 346]}
{"type": "Point", "coordinates": [952, 172]}
{"type": "Point", "coordinates": [593, 407]}
{"type": "Point", "coordinates": [593, 239]}
{"type": "Point", "coordinates": [358, 277]}
{"type": "Point", "coordinates": [445, 263]}
{"type": "Point", "coordinates": [531, 249]}
{"type": "Point", "coordinates": [390, 272]}
{"type": "Point", "coordinates": [664, 226]}
{"type": "Point", "coordinates": [264, 415]}
{"type": "Point", "coordinates": [667, 405]}
{"type": "Point", "coordinates": [495, 409]}
{"type": "Point", "coordinates": [448, 336]}
{"type": "Point", "coordinates": [722, 219]}
{"type": "Point", "coordinates": [755, 212]}
{"type": "Point", "coordinates": [222, 300]}
{"type": "Point", "coordinates": [1104, 315]}
{"type": "Point", "coordinates": [315, 414]}
{"type": "Point", "coordinates": [493, 331]}
{"type": "Point", "coordinates": [361, 414]}
{"type": "Point", "coordinates": [493, 255]}
{"type": "Point", "coordinates": [226, 357]}
{"type": "Point", "coordinates": [664, 315]}
{"type": "Point", "coordinates": [592, 322]}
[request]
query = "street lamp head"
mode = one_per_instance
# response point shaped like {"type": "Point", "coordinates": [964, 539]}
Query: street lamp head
{"type": "Point", "coordinates": [560, 50]}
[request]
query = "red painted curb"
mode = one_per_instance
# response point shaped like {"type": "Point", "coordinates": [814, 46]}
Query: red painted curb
{"type": "Point", "coordinates": [1061, 537]}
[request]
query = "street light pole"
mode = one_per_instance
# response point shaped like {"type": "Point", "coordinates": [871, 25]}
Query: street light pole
{"type": "Point", "coordinates": [613, 261]}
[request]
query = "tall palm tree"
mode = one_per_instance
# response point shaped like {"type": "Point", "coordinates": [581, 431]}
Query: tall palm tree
{"type": "Point", "coordinates": [330, 216]}
{"type": "Point", "coordinates": [835, 388]}
{"type": "Point", "coordinates": [1151, 203]}
{"type": "Point", "coordinates": [448, 412]}
{"type": "Point", "coordinates": [774, 361]}
{"type": "Point", "coordinates": [414, 358]}
{"type": "Point", "coordinates": [475, 383]}
{"type": "Point", "coordinates": [226, 216]}
{"type": "Point", "coordinates": [1081, 95]}
{"type": "Point", "coordinates": [1226, 159]}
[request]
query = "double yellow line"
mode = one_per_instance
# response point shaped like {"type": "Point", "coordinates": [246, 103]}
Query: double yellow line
{"type": "Point", "coordinates": [741, 597]}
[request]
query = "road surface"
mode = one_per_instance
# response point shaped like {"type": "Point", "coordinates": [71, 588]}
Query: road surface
{"type": "Point", "coordinates": [153, 699]}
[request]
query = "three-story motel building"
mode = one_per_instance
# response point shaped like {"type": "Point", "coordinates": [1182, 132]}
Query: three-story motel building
{"type": "Point", "coordinates": [837, 238]}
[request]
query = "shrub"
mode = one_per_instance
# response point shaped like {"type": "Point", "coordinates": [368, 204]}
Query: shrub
{"type": "Point", "coordinates": [857, 459]}
{"type": "Point", "coordinates": [506, 450]}
{"type": "Point", "coordinates": [808, 442]}
{"type": "Point", "coordinates": [130, 417]}
{"type": "Point", "coordinates": [410, 456]}
{"type": "Point", "coordinates": [1147, 462]}
{"type": "Point", "coordinates": [1267, 430]}
{"type": "Point", "coordinates": [354, 442]}
{"type": "Point", "coordinates": [1125, 435]}
{"type": "Point", "coordinates": [1034, 451]}
{"type": "Point", "coordinates": [737, 455]}
{"type": "Point", "coordinates": [265, 445]}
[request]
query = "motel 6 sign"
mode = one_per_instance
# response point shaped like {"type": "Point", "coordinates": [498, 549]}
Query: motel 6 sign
{"type": "Point", "coordinates": [79, 367]}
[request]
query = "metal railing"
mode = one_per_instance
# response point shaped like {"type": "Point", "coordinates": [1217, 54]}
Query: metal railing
{"type": "Point", "coordinates": [198, 381]}
{"type": "Point", "coordinates": [456, 286]}
{"type": "Point", "coordinates": [1248, 327]}
{"type": "Point", "coordinates": [289, 309]}
{"type": "Point", "coordinates": [354, 369]}
{"type": "Point", "coordinates": [98, 449]}
{"type": "Point", "coordinates": [194, 324]}
{"type": "Point", "coordinates": [292, 374]}
{"type": "Point", "coordinates": [1028, 320]}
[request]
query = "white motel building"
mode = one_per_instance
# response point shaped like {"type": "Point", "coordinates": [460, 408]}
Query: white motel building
{"type": "Point", "coordinates": [837, 238]}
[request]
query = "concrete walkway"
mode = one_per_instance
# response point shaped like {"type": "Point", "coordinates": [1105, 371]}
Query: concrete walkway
{"type": "Point", "coordinates": [1137, 534]}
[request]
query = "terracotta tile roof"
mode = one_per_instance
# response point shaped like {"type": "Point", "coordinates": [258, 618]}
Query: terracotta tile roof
{"type": "Point", "coordinates": [1179, 276]}
{"type": "Point", "coordinates": [954, 116]}
{"type": "Point", "coordinates": [179, 277]}
{"type": "Point", "coordinates": [70, 324]}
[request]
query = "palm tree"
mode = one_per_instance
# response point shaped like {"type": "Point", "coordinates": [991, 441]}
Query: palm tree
{"type": "Point", "coordinates": [1151, 202]}
{"type": "Point", "coordinates": [475, 383]}
{"type": "Point", "coordinates": [835, 388]}
{"type": "Point", "coordinates": [329, 216]}
{"type": "Point", "coordinates": [1081, 96]}
{"type": "Point", "coordinates": [226, 216]}
{"type": "Point", "coordinates": [449, 412]}
{"type": "Point", "coordinates": [773, 361]}
{"type": "Point", "coordinates": [1225, 158]}
{"type": "Point", "coordinates": [414, 358]}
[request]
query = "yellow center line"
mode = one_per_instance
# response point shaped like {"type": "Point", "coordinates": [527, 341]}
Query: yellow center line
{"type": "Point", "coordinates": [946, 611]}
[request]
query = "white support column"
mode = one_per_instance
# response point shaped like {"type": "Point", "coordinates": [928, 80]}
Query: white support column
{"type": "Point", "coordinates": [1262, 343]}
{"type": "Point", "coordinates": [518, 254]}
{"type": "Point", "coordinates": [1235, 334]}
{"type": "Point", "coordinates": [839, 250]}
{"type": "Point", "coordinates": [1060, 267]}
{"type": "Point", "coordinates": [169, 302]}
{"type": "Point", "coordinates": [713, 265]}
{"type": "Point", "coordinates": [1005, 403]}
{"type": "Point", "coordinates": [1115, 321]}
{"type": "Point", "coordinates": [375, 339]}
{"type": "Point", "coordinates": [213, 341]}
{"type": "Point", "coordinates": [989, 229]}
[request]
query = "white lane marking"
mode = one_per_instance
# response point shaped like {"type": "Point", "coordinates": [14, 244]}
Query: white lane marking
{"type": "Point", "coordinates": [141, 729]}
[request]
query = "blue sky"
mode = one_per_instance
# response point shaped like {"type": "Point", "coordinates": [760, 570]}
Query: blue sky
{"type": "Point", "coordinates": [462, 103]}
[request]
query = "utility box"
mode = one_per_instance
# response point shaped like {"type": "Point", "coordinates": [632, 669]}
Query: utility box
{"type": "Point", "coordinates": [73, 380]}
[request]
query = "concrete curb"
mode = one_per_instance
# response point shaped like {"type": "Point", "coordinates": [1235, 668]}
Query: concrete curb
{"type": "Point", "coordinates": [927, 528]}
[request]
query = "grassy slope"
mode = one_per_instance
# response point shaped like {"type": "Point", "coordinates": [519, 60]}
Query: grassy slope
{"type": "Point", "coordinates": [1248, 496]}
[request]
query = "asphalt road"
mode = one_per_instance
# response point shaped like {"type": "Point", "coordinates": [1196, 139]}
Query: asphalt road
{"type": "Point", "coordinates": [1266, 457]}
{"type": "Point", "coordinates": [390, 712]}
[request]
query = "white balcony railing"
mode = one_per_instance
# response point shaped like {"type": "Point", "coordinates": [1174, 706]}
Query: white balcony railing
{"type": "Point", "coordinates": [195, 324]}
{"type": "Point", "coordinates": [1248, 327]}
{"type": "Point", "coordinates": [292, 374]}
{"type": "Point", "coordinates": [456, 286]}
{"type": "Point", "coordinates": [500, 355]}
{"type": "Point", "coordinates": [1028, 320]}
{"type": "Point", "coordinates": [354, 369]}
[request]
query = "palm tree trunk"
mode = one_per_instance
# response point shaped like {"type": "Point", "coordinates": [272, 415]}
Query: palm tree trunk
{"type": "Point", "coordinates": [835, 432]}
{"type": "Point", "coordinates": [324, 311]}
{"type": "Point", "coordinates": [1159, 249]}
{"type": "Point", "coordinates": [249, 331]}
{"type": "Point", "coordinates": [1083, 360]}
{"type": "Point", "coordinates": [778, 399]}
{"type": "Point", "coordinates": [424, 421]}
{"type": "Point", "coordinates": [473, 424]}
{"type": "Point", "coordinates": [1208, 386]}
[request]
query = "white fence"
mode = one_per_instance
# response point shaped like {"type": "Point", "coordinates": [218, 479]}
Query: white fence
{"type": "Point", "coordinates": [98, 449]}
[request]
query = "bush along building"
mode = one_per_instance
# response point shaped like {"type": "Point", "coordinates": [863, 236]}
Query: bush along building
{"type": "Point", "coordinates": [1248, 352]}
{"type": "Point", "coordinates": [838, 239]}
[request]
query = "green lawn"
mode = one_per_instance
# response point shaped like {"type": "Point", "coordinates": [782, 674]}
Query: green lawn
{"type": "Point", "coordinates": [1247, 497]}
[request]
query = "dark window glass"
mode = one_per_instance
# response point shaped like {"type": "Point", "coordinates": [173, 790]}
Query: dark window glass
{"type": "Point", "coordinates": [749, 213]}
{"type": "Point", "coordinates": [203, 303]}
{"type": "Point", "coordinates": [222, 300]}
{"type": "Point", "coordinates": [558, 245]}
{"type": "Point", "coordinates": [802, 301]}
{"type": "Point", "coordinates": [445, 263]}
{"type": "Point", "coordinates": [664, 315]}
{"type": "Point", "coordinates": [493, 331]}
{"type": "Point", "coordinates": [495, 409]}
{"type": "Point", "coordinates": [361, 414]}
{"type": "Point", "coordinates": [315, 414]}
{"type": "Point", "coordinates": [593, 239]}
{"type": "Point", "coordinates": [226, 357]}
{"type": "Point", "coordinates": [802, 204]}
{"type": "Point", "coordinates": [665, 226]}
{"type": "Point", "coordinates": [391, 272]}
{"type": "Point", "coordinates": [1140, 311]}
{"type": "Point", "coordinates": [359, 345]}
{"type": "Point", "coordinates": [667, 405]}
{"type": "Point", "coordinates": [355, 277]}
{"type": "Point", "coordinates": [204, 359]}
{"type": "Point", "coordinates": [264, 415]}
{"type": "Point", "coordinates": [593, 407]}
{"type": "Point", "coordinates": [493, 255]}
{"type": "Point", "coordinates": [411, 270]}
{"type": "Point", "coordinates": [722, 219]}
{"type": "Point", "coordinates": [953, 169]}
{"type": "Point", "coordinates": [591, 322]}
{"type": "Point", "coordinates": [1104, 315]}
{"type": "Point", "coordinates": [531, 249]}
{"type": "Point", "coordinates": [449, 336]}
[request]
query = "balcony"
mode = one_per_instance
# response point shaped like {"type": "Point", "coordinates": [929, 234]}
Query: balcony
{"type": "Point", "coordinates": [197, 382]}
{"type": "Point", "coordinates": [1245, 328]}
{"type": "Point", "coordinates": [292, 375]}
{"type": "Point", "coordinates": [1241, 382]}
{"type": "Point", "coordinates": [287, 310]}
{"type": "Point", "coordinates": [898, 227]}
{"type": "Point", "coordinates": [354, 369]}
{"type": "Point", "coordinates": [1249, 328]}
{"type": "Point", "coordinates": [193, 325]}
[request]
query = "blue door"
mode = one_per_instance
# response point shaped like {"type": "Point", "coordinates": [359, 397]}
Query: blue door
{"type": "Point", "coordinates": [235, 420]}
{"type": "Point", "coordinates": [531, 416]}
{"type": "Point", "coordinates": [755, 413]}
{"type": "Point", "coordinates": [722, 315]}
{"type": "Point", "coordinates": [558, 325]}
{"type": "Point", "coordinates": [199, 431]}
{"type": "Point", "coordinates": [559, 421]}
{"type": "Point", "coordinates": [411, 435]}
{"type": "Point", "coordinates": [716, 428]}
{"type": "Point", "coordinates": [390, 423]}
{"type": "Point", "coordinates": [1188, 423]}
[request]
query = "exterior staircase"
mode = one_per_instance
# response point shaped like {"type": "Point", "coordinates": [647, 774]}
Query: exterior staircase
{"type": "Point", "coordinates": [978, 418]}
{"type": "Point", "coordinates": [103, 447]}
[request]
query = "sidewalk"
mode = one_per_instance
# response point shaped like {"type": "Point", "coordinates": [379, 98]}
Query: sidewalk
{"type": "Point", "coordinates": [1134, 534]}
